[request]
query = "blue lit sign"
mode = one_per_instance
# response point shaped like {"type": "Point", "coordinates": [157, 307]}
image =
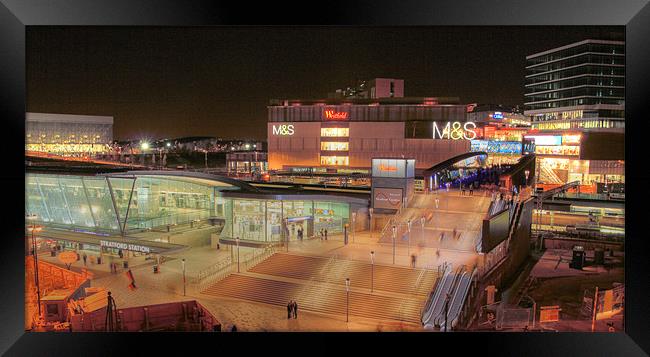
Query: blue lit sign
{"type": "Point", "coordinates": [496, 147]}
{"type": "Point", "coordinates": [497, 115]}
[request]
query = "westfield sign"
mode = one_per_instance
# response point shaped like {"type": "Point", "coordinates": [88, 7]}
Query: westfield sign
{"type": "Point", "coordinates": [334, 115]}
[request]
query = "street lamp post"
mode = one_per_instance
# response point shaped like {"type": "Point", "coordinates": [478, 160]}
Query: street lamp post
{"type": "Point", "coordinates": [34, 229]}
{"type": "Point", "coordinates": [370, 211]}
{"type": "Point", "coordinates": [394, 236]}
{"type": "Point", "coordinates": [372, 270]}
{"type": "Point", "coordinates": [347, 293]}
{"type": "Point", "coordinates": [354, 220]}
{"type": "Point", "coordinates": [422, 222]}
{"type": "Point", "coordinates": [408, 247]}
{"type": "Point", "coordinates": [183, 263]}
{"type": "Point", "coordinates": [237, 241]}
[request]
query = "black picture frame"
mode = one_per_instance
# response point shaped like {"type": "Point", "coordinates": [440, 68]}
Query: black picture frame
{"type": "Point", "coordinates": [15, 15]}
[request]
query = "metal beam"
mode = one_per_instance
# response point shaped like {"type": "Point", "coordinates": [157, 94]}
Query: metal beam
{"type": "Point", "coordinates": [117, 212]}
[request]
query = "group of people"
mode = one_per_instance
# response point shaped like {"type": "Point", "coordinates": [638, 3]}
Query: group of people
{"type": "Point", "coordinates": [323, 233]}
{"type": "Point", "coordinates": [292, 309]}
{"type": "Point", "coordinates": [469, 188]}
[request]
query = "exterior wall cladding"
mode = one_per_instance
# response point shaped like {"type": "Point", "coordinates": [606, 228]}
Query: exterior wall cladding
{"type": "Point", "coordinates": [374, 131]}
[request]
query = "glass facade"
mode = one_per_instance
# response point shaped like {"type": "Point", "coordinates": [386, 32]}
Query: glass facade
{"type": "Point", "coordinates": [111, 204]}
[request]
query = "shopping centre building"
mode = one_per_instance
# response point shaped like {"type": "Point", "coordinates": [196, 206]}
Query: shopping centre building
{"type": "Point", "coordinates": [127, 203]}
{"type": "Point", "coordinates": [343, 134]}
{"type": "Point", "coordinates": [575, 100]}
{"type": "Point", "coordinates": [68, 135]}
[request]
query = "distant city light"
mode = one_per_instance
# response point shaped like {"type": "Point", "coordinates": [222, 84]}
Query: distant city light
{"type": "Point", "coordinates": [144, 145]}
{"type": "Point", "coordinates": [248, 146]}
{"type": "Point", "coordinates": [169, 144]}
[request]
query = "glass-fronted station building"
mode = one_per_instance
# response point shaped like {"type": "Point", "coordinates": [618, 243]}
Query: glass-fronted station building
{"type": "Point", "coordinates": [138, 201]}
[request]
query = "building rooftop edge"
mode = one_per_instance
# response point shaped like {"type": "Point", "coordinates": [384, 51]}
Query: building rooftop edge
{"type": "Point", "coordinates": [606, 42]}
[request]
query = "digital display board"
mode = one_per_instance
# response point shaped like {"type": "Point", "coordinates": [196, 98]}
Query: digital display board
{"type": "Point", "coordinates": [496, 147]}
{"type": "Point", "coordinates": [387, 198]}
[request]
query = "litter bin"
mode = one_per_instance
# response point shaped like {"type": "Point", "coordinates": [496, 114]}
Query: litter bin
{"type": "Point", "coordinates": [125, 264]}
{"type": "Point", "coordinates": [578, 260]}
{"type": "Point", "coordinates": [599, 257]}
{"type": "Point", "coordinates": [99, 260]}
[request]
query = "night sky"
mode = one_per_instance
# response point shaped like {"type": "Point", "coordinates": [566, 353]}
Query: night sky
{"type": "Point", "coordinates": [160, 82]}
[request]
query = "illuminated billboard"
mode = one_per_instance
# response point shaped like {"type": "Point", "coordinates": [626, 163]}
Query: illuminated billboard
{"type": "Point", "coordinates": [496, 147]}
{"type": "Point", "coordinates": [547, 140]}
{"type": "Point", "coordinates": [393, 168]}
{"type": "Point", "coordinates": [387, 198]}
{"type": "Point", "coordinates": [558, 150]}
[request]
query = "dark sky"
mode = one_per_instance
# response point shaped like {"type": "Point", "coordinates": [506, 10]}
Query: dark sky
{"type": "Point", "coordinates": [216, 81]}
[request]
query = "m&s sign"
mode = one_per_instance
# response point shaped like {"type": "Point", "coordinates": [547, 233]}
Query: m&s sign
{"type": "Point", "coordinates": [283, 129]}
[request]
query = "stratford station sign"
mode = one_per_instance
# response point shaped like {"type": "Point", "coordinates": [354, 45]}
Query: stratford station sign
{"type": "Point", "coordinates": [125, 246]}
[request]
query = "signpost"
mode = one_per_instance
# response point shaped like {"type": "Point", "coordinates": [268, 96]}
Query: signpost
{"type": "Point", "coordinates": [549, 313]}
{"type": "Point", "coordinates": [67, 258]}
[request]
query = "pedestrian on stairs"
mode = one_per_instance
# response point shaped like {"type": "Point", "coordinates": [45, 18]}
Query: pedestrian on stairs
{"type": "Point", "coordinates": [289, 309]}
{"type": "Point", "coordinates": [295, 309]}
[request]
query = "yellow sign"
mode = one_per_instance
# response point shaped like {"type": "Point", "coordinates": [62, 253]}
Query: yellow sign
{"type": "Point", "coordinates": [549, 313]}
{"type": "Point", "coordinates": [67, 257]}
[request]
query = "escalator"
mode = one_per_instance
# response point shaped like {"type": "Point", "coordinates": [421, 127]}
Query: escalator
{"type": "Point", "coordinates": [456, 286]}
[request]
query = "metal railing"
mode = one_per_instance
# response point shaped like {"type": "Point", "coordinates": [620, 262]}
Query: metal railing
{"type": "Point", "coordinates": [221, 270]}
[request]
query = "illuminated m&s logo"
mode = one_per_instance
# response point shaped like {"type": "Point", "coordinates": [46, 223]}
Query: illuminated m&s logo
{"type": "Point", "coordinates": [330, 114]}
{"type": "Point", "coordinates": [284, 129]}
{"type": "Point", "coordinates": [455, 131]}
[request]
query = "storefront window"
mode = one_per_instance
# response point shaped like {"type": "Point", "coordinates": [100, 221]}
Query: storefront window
{"type": "Point", "coordinates": [335, 132]}
{"type": "Point", "coordinates": [248, 219]}
{"type": "Point", "coordinates": [331, 216]}
{"type": "Point", "coordinates": [334, 146]}
{"type": "Point", "coordinates": [334, 160]}
{"type": "Point", "coordinates": [298, 215]}
{"type": "Point", "coordinates": [274, 221]}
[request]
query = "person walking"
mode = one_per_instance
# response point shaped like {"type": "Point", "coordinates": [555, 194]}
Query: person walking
{"type": "Point", "coordinates": [233, 328]}
{"type": "Point", "coordinates": [437, 202]}
{"type": "Point", "coordinates": [471, 190]}
{"type": "Point", "coordinates": [413, 260]}
{"type": "Point", "coordinates": [325, 233]}
{"type": "Point", "coordinates": [85, 258]}
{"type": "Point", "coordinates": [438, 253]}
{"type": "Point", "coordinates": [295, 309]}
{"type": "Point", "coordinates": [289, 309]}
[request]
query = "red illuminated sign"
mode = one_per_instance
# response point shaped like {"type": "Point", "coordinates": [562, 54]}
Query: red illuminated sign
{"type": "Point", "coordinates": [333, 115]}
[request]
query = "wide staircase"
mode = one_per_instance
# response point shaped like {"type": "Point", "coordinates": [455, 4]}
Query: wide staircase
{"type": "Point", "coordinates": [318, 285]}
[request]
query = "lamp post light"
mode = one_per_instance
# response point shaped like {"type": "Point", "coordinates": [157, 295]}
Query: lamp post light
{"type": "Point", "coordinates": [33, 229]}
{"type": "Point", "coordinates": [183, 264]}
{"type": "Point", "coordinates": [527, 173]}
{"type": "Point", "coordinates": [372, 270]}
{"type": "Point", "coordinates": [237, 241]}
{"type": "Point", "coordinates": [394, 236]}
{"type": "Point", "coordinates": [347, 293]}
{"type": "Point", "coordinates": [422, 222]}
{"type": "Point", "coordinates": [370, 210]}
{"type": "Point", "coordinates": [354, 220]}
{"type": "Point", "coordinates": [408, 247]}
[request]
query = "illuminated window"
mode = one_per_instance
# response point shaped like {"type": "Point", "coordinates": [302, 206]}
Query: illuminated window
{"type": "Point", "coordinates": [334, 160]}
{"type": "Point", "coordinates": [335, 132]}
{"type": "Point", "coordinates": [334, 146]}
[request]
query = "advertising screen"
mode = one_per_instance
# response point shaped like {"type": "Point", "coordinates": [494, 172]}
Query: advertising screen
{"type": "Point", "coordinates": [496, 147]}
{"type": "Point", "coordinates": [495, 230]}
{"type": "Point", "coordinates": [387, 198]}
{"type": "Point", "coordinates": [558, 150]}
